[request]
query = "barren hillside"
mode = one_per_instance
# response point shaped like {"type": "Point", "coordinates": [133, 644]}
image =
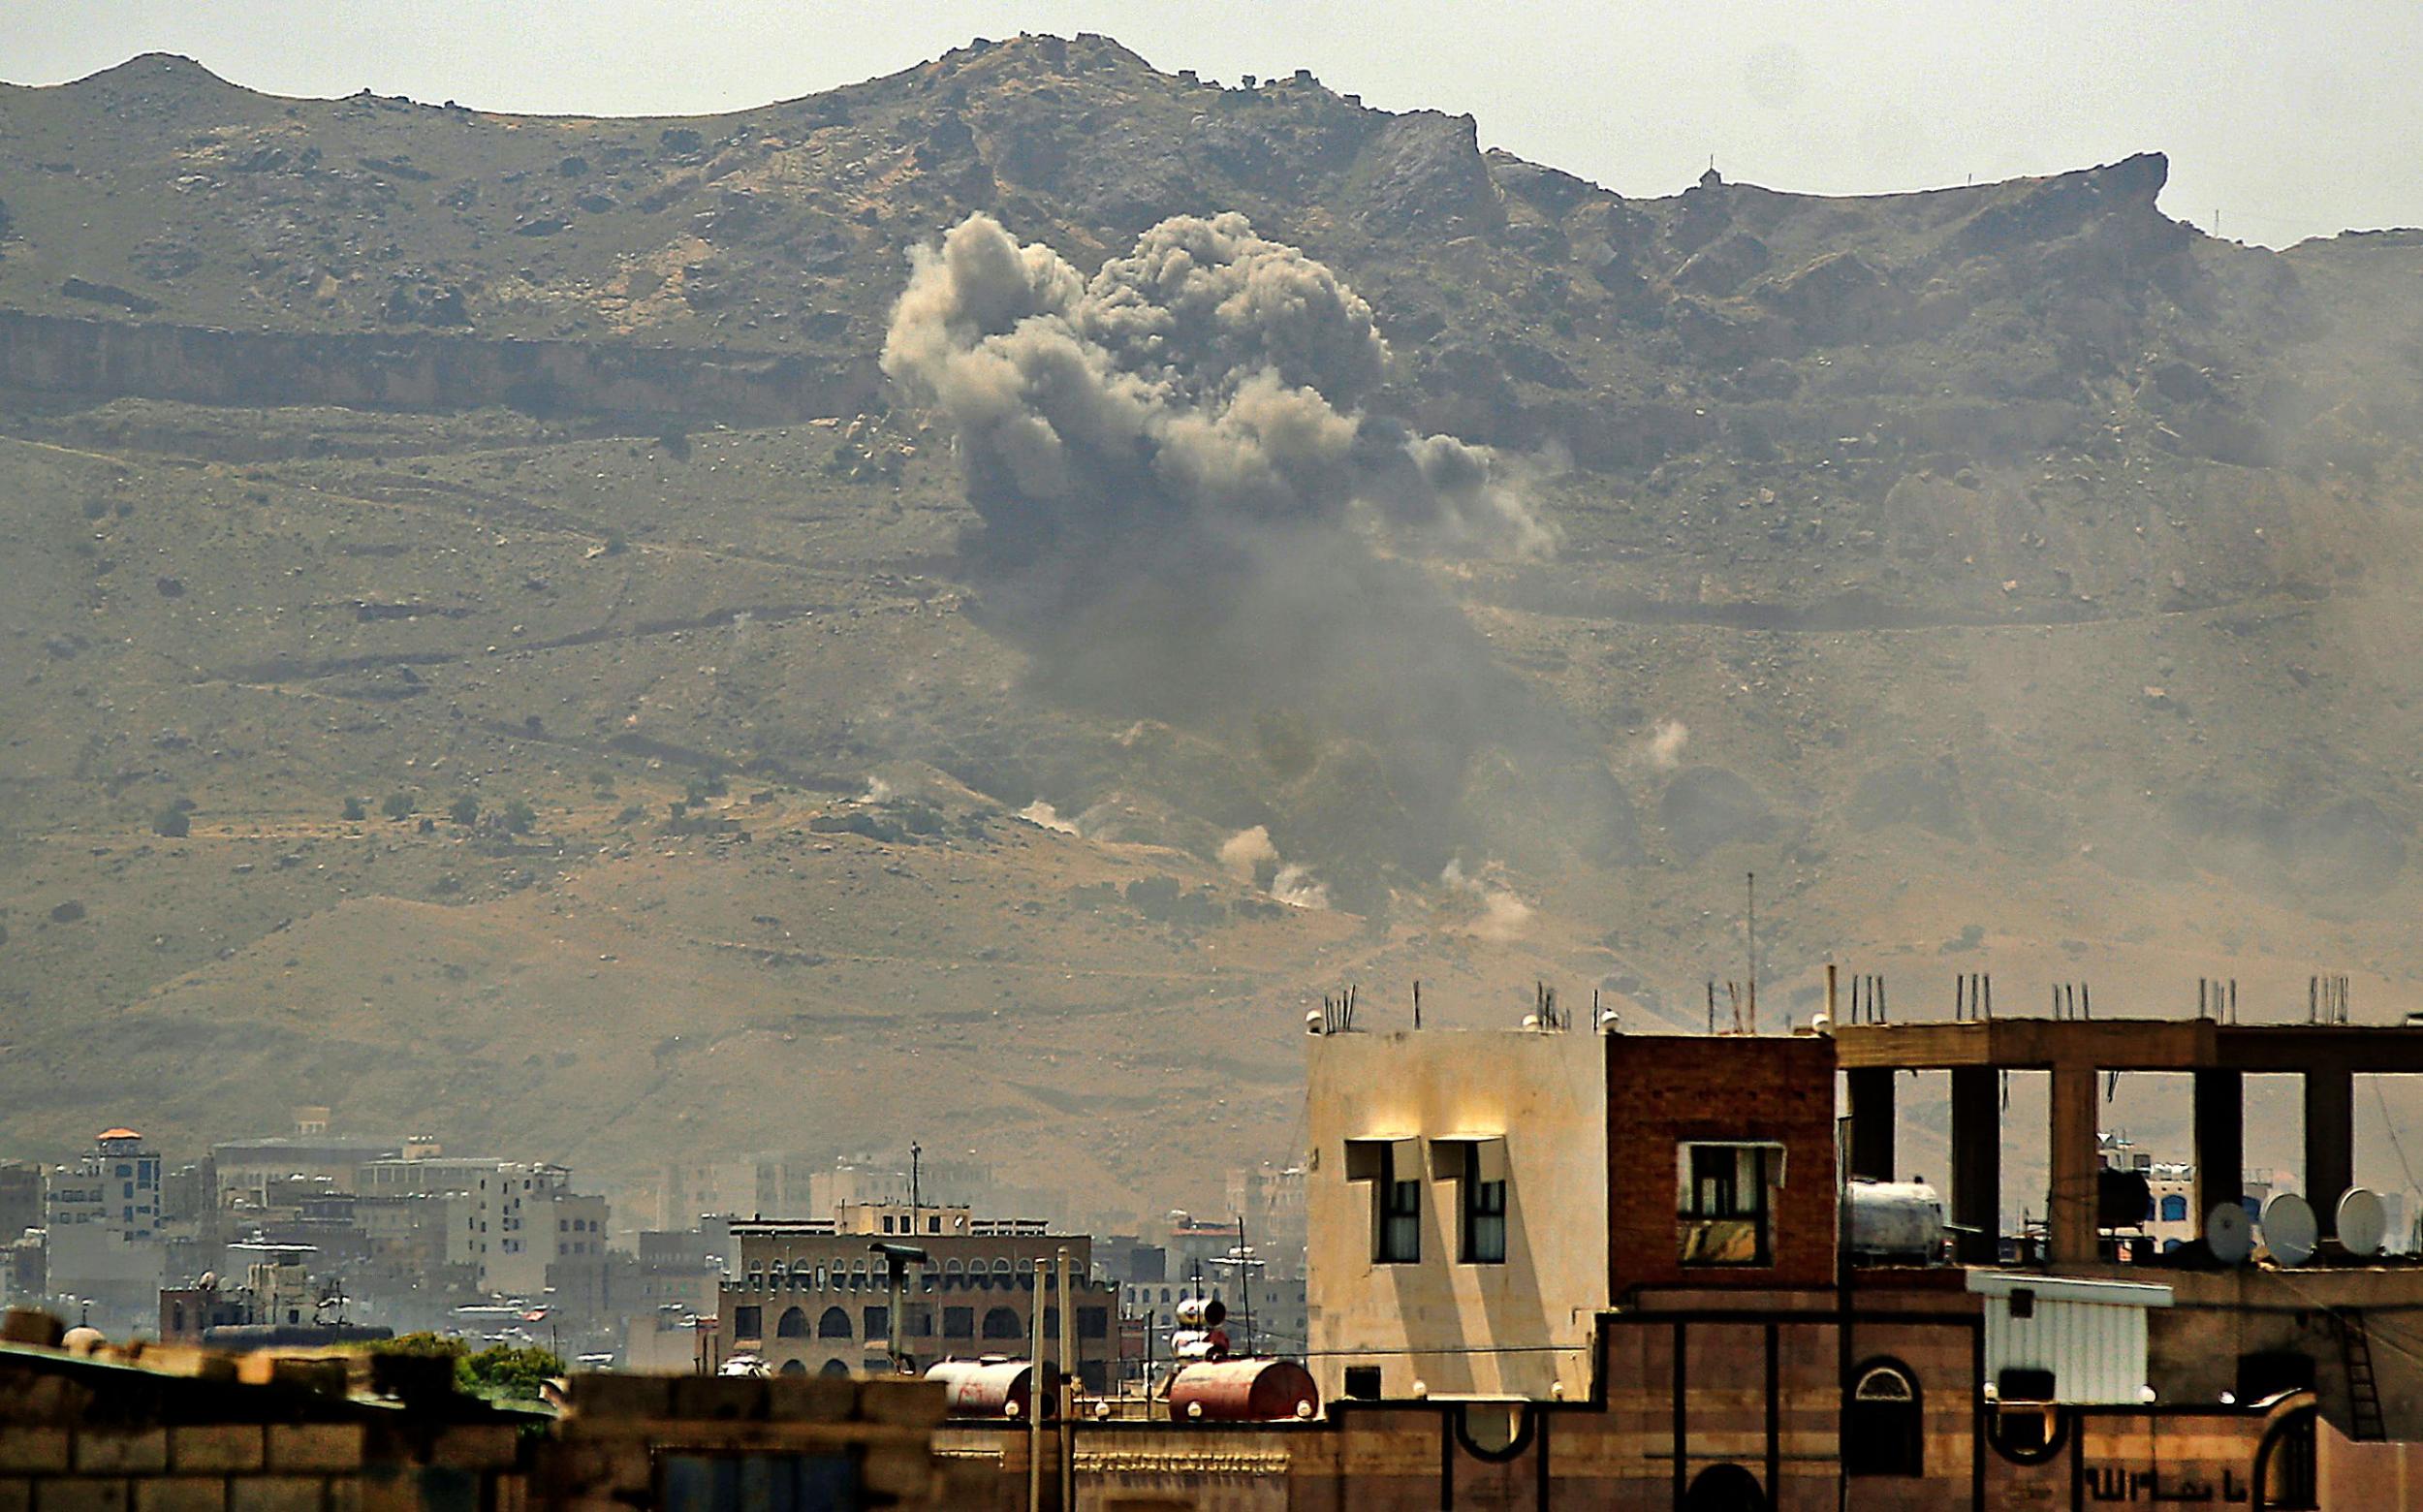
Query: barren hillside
{"type": "Point", "coordinates": [2012, 576]}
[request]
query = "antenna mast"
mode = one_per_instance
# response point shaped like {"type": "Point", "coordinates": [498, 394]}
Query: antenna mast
{"type": "Point", "coordinates": [1751, 886]}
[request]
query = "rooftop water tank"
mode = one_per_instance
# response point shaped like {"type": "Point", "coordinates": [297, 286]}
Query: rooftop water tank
{"type": "Point", "coordinates": [1896, 1221]}
{"type": "Point", "coordinates": [1245, 1391]}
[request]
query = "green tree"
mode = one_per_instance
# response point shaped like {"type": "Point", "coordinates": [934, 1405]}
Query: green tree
{"type": "Point", "coordinates": [518, 816]}
{"type": "Point", "coordinates": [505, 1373]}
{"type": "Point", "coordinates": [172, 822]}
{"type": "Point", "coordinates": [464, 810]}
{"type": "Point", "coordinates": [354, 810]}
{"type": "Point", "coordinates": [399, 805]}
{"type": "Point", "coordinates": [500, 1372]}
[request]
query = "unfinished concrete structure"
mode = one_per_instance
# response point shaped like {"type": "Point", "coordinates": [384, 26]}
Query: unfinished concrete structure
{"type": "Point", "coordinates": [2325, 1057]}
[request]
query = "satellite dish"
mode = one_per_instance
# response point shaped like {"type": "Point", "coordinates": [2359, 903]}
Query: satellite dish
{"type": "Point", "coordinates": [2288, 1227]}
{"type": "Point", "coordinates": [2363, 1223]}
{"type": "Point", "coordinates": [2229, 1233]}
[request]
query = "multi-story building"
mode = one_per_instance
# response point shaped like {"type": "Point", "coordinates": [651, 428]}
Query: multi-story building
{"type": "Point", "coordinates": [21, 1199]}
{"type": "Point", "coordinates": [248, 1172]}
{"type": "Point", "coordinates": [521, 1222]}
{"type": "Point", "coordinates": [813, 1295]}
{"type": "Point", "coordinates": [103, 1228]}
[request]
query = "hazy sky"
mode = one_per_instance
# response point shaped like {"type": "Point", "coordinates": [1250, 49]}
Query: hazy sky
{"type": "Point", "coordinates": [2289, 120]}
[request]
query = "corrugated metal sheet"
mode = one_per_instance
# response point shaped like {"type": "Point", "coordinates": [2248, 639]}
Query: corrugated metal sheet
{"type": "Point", "coordinates": [2091, 1334]}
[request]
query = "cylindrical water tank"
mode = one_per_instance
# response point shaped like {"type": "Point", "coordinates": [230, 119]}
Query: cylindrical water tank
{"type": "Point", "coordinates": [1245, 1391]}
{"type": "Point", "coordinates": [1902, 1220]}
{"type": "Point", "coordinates": [989, 1388]}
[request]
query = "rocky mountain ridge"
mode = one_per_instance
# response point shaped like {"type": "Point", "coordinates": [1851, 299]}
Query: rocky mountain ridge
{"type": "Point", "coordinates": [2005, 573]}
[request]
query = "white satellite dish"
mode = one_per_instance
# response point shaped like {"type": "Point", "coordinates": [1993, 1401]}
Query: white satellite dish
{"type": "Point", "coordinates": [2229, 1233]}
{"type": "Point", "coordinates": [2363, 1222]}
{"type": "Point", "coordinates": [2288, 1227]}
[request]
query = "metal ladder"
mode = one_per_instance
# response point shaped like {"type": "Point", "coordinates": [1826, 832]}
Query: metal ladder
{"type": "Point", "coordinates": [2364, 1395]}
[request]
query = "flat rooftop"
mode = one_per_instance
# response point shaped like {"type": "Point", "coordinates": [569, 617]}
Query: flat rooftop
{"type": "Point", "coordinates": [2131, 1045]}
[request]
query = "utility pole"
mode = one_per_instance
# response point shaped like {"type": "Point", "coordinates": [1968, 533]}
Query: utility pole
{"type": "Point", "coordinates": [1065, 1272]}
{"type": "Point", "coordinates": [916, 1151]}
{"type": "Point", "coordinates": [1244, 1277]}
{"type": "Point", "coordinates": [1037, 1396]}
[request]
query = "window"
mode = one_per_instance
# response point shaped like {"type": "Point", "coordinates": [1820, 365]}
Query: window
{"type": "Point", "coordinates": [1001, 1323]}
{"type": "Point", "coordinates": [2173, 1208]}
{"type": "Point", "coordinates": [1723, 1204]}
{"type": "Point", "coordinates": [793, 1324]}
{"type": "Point", "coordinates": [1362, 1382]}
{"type": "Point", "coordinates": [760, 1482]}
{"type": "Point", "coordinates": [918, 1322]}
{"type": "Point", "coordinates": [1482, 1182]}
{"type": "Point", "coordinates": [958, 1322]}
{"type": "Point", "coordinates": [1093, 1322]}
{"type": "Point", "coordinates": [878, 1322]}
{"type": "Point", "coordinates": [746, 1324]}
{"type": "Point", "coordinates": [1887, 1427]}
{"type": "Point", "coordinates": [1394, 1168]}
{"type": "Point", "coordinates": [834, 1324]}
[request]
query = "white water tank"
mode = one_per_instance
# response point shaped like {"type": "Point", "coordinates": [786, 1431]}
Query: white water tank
{"type": "Point", "coordinates": [1896, 1221]}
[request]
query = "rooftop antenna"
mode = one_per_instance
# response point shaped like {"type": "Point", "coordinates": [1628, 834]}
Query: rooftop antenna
{"type": "Point", "coordinates": [1750, 888]}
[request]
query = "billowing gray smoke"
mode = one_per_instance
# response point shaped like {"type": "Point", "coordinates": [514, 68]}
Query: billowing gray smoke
{"type": "Point", "coordinates": [1209, 380]}
{"type": "Point", "coordinates": [1188, 512]}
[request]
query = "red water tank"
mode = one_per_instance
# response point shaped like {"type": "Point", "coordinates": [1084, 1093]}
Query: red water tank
{"type": "Point", "coordinates": [991, 1388]}
{"type": "Point", "coordinates": [1245, 1391]}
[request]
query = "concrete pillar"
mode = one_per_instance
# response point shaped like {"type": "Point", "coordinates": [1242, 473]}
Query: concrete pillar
{"type": "Point", "coordinates": [1872, 1121]}
{"type": "Point", "coordinates": [1977, 1162]}
{"type": "Point", "coordinates": [2221, 1121]}
{"type": "Point", "coordinates": [2070, 1221]}
{"type": "Point", "coordinates": [2330, 1142]}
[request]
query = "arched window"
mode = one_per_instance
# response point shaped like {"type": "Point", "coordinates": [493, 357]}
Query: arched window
{"type": "Point", "coordinates": [1001, 1323]}
{"type": "Point", "coordinates": [793, 1324]}
{"type": "Point", "coordinates": [833, 1367]}
{"type": "Point", "coordinates": [1888, 1430]}
{"type": "Point", "coordinates": [1725, 1488]}
{"type": "Point", "coordinates": [834, 1324]}
{"type": "Point", "coordinates": [2174, 1208]}
{"type": "Point", "coordinates": [794, 1367]}
{"type": "Point", "coordinates": [779, 1275]}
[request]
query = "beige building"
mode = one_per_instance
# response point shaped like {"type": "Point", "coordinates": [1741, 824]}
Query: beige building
{"type": "Point", "coordinates": [813, 1297]}
{"type": "Point", "coordinates": [1456, 1187]}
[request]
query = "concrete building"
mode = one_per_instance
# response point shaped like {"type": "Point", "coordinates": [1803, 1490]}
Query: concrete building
{"type": "Point", "coordinates": [250, 1171]}
{"type": "Point", "coordinates": [1456, 1188]}
{"type": "Point", "coordinates": [522, 1224]}
{"type": "Point", "coordinates": [104, 1229]}
{"type": "Point", "coordinates": [21, 1199]}
{"type": "Point", "coordinates": [812, 1296]}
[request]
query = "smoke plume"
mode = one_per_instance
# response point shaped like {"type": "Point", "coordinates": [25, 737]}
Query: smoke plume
{"type": "Point", "coordinates": [1663, 749]}
{"type": "Point", "coordinates": [1208, 382]}
{"type": "Point", "coordinates": [1194, 510]}
{"type": "Point", "coordinates": [1048, 817]}
{"type": "Point", "coordinates": [1503, 915]}
{"type": "Point", "coordinates": [1250, 857]}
